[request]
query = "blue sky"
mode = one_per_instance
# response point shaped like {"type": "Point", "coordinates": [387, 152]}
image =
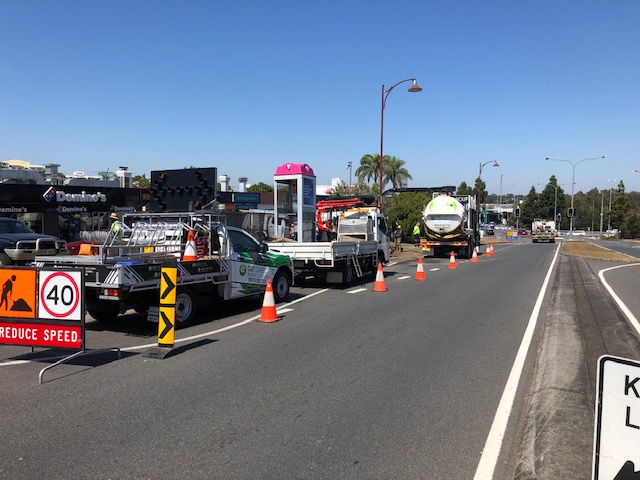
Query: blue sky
{"type": "Point", "coordinates": [248, 86]}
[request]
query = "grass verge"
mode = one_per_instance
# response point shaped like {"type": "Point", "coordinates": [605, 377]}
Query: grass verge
{"type": "Point", "coordinates": [595, 252]}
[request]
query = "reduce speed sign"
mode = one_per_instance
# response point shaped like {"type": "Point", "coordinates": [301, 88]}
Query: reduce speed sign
{"type": "Point", "coordinates": [60, 295]}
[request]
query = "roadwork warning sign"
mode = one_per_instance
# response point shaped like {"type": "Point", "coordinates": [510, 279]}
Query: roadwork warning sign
{"type": "Point", "coordinates": [617, 428]}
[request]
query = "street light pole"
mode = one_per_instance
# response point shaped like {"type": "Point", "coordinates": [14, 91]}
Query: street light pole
{"type": "Point", "coordinates": [482, 165]}
{"type": "Point", "coordinates": [573, 183]}
{"type": "Point", "coordinates": [385, 93]}
{"type": "Point", "coordinates": [500, 199]}
{"type": "Point", "coordinates": [349, 166]}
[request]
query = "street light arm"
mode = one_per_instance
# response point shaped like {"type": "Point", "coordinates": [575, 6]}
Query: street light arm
{"type": "Point", "coordinates": [413, 88]}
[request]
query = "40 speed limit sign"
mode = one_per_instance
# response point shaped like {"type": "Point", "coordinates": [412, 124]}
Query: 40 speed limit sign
{"type": "Point", "coordinates": [60, 295]}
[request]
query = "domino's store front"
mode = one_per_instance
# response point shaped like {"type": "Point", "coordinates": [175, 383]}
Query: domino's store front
{"type": "Point", "coordinates": [65, 210]}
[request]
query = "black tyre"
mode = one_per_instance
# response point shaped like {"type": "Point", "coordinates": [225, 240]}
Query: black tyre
{"type": "Point", "coordinates": [4, 259]}
{"type": "Point", "coordinates": [104, 311]}
{"type": "Point", "coordinates": [347, 274]}
{"type": "Point", "coordinates": [185, 307]}
{"type": "Point", "coordinates": [281, 286]}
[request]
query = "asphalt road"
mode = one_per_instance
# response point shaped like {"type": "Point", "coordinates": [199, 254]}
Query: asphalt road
{"type": "Point", "coordinates": [351, 383]}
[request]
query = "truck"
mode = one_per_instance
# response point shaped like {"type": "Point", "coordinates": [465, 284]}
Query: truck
{"type": "Point", "coordinates": [214, 262]}
{"type": "Point", "coordinates": [351, 241]}
{"type": "Point", "coordinates": [19, 245]}
{"type": "Point", "coordinates": [543, 230]}
{"type": "Point", "coordinates": [451, 225]}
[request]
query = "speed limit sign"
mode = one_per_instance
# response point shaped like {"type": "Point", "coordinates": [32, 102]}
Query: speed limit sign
{"type": "Point", "coordinates": [60, 295]}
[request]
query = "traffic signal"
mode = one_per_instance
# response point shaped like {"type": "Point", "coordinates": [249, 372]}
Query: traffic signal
{"type": "Point", "coordinates": [571, 212]}
{"type": "Point", "coordinates": [559, 217]}
{"type": "Point", "coordinates": [516, 212]}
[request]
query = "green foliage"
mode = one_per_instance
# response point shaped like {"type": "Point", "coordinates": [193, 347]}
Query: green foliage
{"type": "Point", "coordinates": [361, 188]}
{"type": "Point", "coordinates": [631, 226]}
{"type": "Point", "coordinates": [619, 207]}
{"type": "Point", "coordinates": [406, 208]}
{"type": "Point", "coordinates": [480, 186]}
{"type": "Point", "coordinates": [141, 181]}
{"type": "Point", "coordinates": [107, 175]}
{"type": "Point", "coordinates": [393, 170]}
{"type": "Point", "coordinates": [260, 187]}
{"type": "Point", "coordinates": [465, 189]}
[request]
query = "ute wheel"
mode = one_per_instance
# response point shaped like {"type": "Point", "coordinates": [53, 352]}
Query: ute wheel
{"type": "Point", "coordinates": [185, 307]}
{"type": "Point", "coordinates": [281, 286]}
{"type": "Point", "coordinates": [4, 259]}
{"type": "Point", "coordinates": [347, 274]}
{"type": "Point", "coordinates": [104, 311]}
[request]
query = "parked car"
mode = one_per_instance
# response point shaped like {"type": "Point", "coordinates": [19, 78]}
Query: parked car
{"type": "Point", "coordinates": [20, 245]}
{"type": "Point", "coordinates": [579, 233]}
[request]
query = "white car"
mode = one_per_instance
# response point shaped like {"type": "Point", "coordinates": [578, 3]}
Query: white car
{"type": "Point", "coordinates": [579, 233]}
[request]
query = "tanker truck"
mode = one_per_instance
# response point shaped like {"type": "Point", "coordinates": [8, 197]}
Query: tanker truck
{"type": "Point", "coordinates": [451, 224]}
{"type": "Point", "coordinates": [543, 230]}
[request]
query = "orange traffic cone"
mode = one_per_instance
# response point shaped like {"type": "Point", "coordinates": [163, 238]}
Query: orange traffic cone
{"type": "Point", "coordinates": [379, 286]}
{"type": "Point", "coordinates": [452, 261]}
{"type": "Point", "coordinates": [420, 271]}
{"type": "Point", "coordinates": [490, 250]}
{"type": "Point", "coordinates": [474, 257]}
{"type": "Point", "coordinates": [268, 313]}
{"type": "Point", "coordinates": [190, 249]}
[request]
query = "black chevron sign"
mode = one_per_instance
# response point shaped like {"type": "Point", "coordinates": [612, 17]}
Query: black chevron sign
{"type": "Point", "coordinates": [168, 326]}
{"type": "Point", "coordinates": [170, 286]}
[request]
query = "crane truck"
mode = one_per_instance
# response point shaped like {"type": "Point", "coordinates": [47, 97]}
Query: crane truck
{"type": "Point", "coordinates": [351, 238]}
{"type": "Point", "coordinates": [451, 225]}
{"type": "Point", "coordinates": [123, 271]}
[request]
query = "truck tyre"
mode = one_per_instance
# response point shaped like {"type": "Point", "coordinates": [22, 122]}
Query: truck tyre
{"type": "Point", "coordinates": [281, 284]}
{"type": "Point", "coordinates": [4, 259]}
{"type": "Point", "coordinates": [185, 307]}
{"type": "Point", "coordinates": [104, 311]}
{"type": "Point", "coordinates": [347, 274]}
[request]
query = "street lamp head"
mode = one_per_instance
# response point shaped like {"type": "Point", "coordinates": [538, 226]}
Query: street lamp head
{"type": "Point", "coordinates": [415, 87]}
{"type": "Point", "coordinates": [495, 163]}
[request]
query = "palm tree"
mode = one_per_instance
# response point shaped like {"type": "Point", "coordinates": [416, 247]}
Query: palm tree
{"type": "Point", "coordinates": [394, 172]}
{"type": "Point", "coordinates": [369, 168]}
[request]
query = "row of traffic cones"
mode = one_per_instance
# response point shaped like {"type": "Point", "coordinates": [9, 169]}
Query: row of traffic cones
{"type": "Point", "coordinates": [269, 314]}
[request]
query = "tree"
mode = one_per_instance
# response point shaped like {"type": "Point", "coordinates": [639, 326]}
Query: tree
{"type": "Point", "coordinates": [480, 186]}
{"type": "Point", "coordinates": [394, 172]}
{"type": "Point", "coordinates": [465, 189]}
{"type": "Point", "coordinates": [260, 187]}
{"type": "Point", "coordinates": [530, 208]}
{"type": "Point", "coordinates": [107, 175]}
{"type": "Point", "coordinates": [406, 208]}
{"type": "Point", "coordinates": [141, 181]}
{"type": "Point", "coordinates": [361, 188]}
{"type": "Point", "coordinates": [619, 207]}
{"type": "Point", "coordinates": [369, 168]}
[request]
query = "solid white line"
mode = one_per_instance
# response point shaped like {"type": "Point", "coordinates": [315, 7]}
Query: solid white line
{"type": "Point", "coordinates": [493, 444]}
{"type": "Point", "coordinates": [434, 269]}
{"type": "Point", "coordinates": [404, 277]}
{"type": "Point", "coordinates": [357, 290]}
{"type": "Point", "coordinates": [282, 309]}
{"type": "Point", "coordinates": [630, 316]}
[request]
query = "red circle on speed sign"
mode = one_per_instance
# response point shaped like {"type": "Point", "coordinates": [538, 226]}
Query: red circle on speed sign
{"type": "Point", "coordinates": [63, 296]}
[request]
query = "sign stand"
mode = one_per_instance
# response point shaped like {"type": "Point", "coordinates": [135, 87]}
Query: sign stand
{"type": "Point", "coordinates": [77, 354]}
{"type": "Point", "coordinates": [166, 314]}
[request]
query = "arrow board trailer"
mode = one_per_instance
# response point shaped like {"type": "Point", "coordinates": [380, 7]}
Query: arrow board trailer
{"type": "Point", "coordinates": [124, 271]}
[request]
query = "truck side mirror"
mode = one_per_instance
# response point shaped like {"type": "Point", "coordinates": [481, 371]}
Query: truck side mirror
{"type": "Point", "coordinates": [263, 248]}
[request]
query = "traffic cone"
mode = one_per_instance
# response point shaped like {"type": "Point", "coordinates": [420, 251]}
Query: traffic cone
{"type": "Point", "coordinates": [420, 271]}
{"type": "Point", "coordinates": [490, 250]}
{"type": "Point", "coordinates": [474, 257]}
{"type": "Point", "coordinates": [268, 313]}
{"type": "Point", "coordinates": [190, 249]}
{"type": "Point", "coordinates": [379, 285]}
{"type": "Point", "coordinates": [452, 261]}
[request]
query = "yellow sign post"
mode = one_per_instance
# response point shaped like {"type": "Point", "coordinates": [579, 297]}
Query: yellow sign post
{"type": "Point", "coordinates": [167, 316]}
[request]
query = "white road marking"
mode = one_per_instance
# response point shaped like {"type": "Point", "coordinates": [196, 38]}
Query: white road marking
{"type": "Point", "coordinates": [492, 447]}
{"type": "Point", "coordinates": [357, 290]}
{"type": "Point", "coordinates": [280, 310]}
{"type": "Point", "coordinates": [434, 269]}
{"type": "Point", "coordinates": [404, 277]}
{"type": "Point", "coordinates": [630, 316]}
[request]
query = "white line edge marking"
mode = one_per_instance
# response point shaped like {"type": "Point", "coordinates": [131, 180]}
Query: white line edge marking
{"type": "Point", "coordinates": [493, 445]}
{"type": "Point", "coordinates": [283, 309]}
{"type": "Point", "coordinates": [357, 290]}
{"type": "Point", "coordinates": [630, 316]}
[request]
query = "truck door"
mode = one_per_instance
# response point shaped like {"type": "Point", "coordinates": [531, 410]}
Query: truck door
{"type": "Point", "coordinates": [249, 269]}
